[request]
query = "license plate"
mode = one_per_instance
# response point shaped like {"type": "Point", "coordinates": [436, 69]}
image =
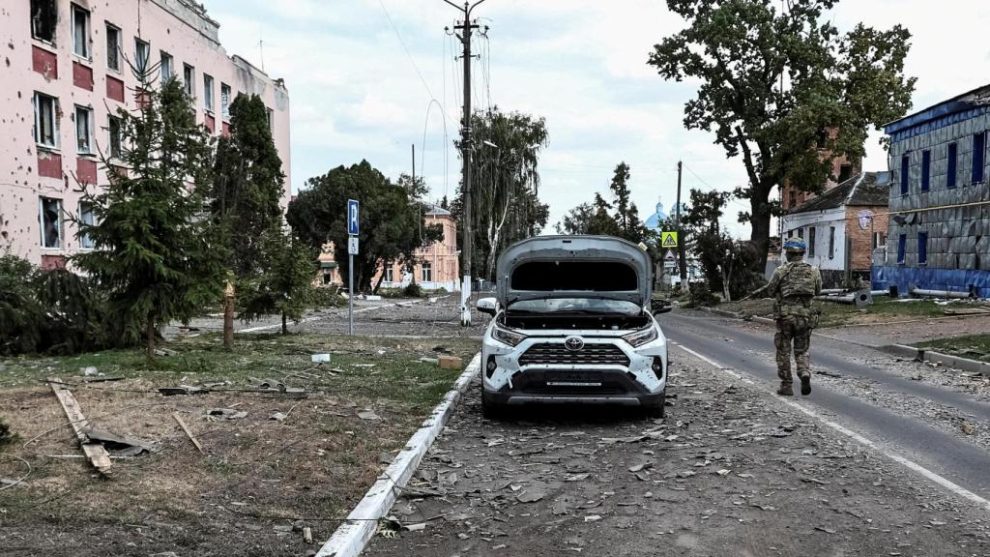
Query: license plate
{"type": "Point", "coordinates": [572, 384]}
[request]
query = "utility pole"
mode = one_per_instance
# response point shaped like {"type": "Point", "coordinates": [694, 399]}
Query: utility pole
{"type": "Point", "coordinates": [680, 231]}
{"type": "Point", "coordinates": [466, 27]}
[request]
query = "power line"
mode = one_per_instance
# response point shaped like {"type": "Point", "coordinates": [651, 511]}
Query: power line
{"type": "Point", "coordinates": [405, 48]}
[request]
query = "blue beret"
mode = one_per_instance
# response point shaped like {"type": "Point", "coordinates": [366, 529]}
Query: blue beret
{"type": "Point", "coordinates": [795, 245]}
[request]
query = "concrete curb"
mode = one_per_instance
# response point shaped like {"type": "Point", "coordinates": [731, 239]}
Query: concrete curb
{"type": "Point", "coordinates": [955, 362]}
{"type": "Point", "coordinates": [350, 539]}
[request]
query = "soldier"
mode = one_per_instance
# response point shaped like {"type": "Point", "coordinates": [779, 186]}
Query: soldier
{"type": "Point", "coordinates": [794, 284]}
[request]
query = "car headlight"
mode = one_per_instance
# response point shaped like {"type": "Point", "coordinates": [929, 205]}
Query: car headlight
{"type": "Point", "coordinates": [641, 337]}
{"type": "Point", "coordinates": [507, 336]}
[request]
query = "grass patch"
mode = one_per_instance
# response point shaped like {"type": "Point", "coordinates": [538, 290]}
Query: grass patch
{"type": "Point", "coordinates": [976, 347]}
{"type": "Point", "coordinates": [834, 314]}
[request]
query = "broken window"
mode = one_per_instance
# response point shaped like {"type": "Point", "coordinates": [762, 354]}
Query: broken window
{"type": "Point", "coordinates": [922, 248]}
{"type": "Point", "coordinates": [113, 47]}
{"type": "Point", "coordinates": [811, 241]}
{"type": "Point", "coordinates": [597, 276]}
{"type": "Point", "coordinates": [879, 240]}
{"type": "Point", "coordinates": [166, 67]}
{"type": "Point", "coordinates": [225, 100]}
{"type": "Point", "coordinates": [86, 216]}
{"type": "Point", "coordinates": [44, 20]}
{"type": "Point", "coordinates": [189, 79]}
{"type": "Point", "coordinates": [901, 246]}
{"type": "Point", "coordinates": [45, 120]}
{"type": "Point", "coordinates": [845, 172]}
{"type": "Point", "coordinates": [113, 127]}
{"type": "Point", "coordinates": [831, 242]}
{"type": "Point", "coordinates": [142, 53]}
{"type": "Point", "coordinates": [950, 172]}
{"type": "Point", "coordinates": [80, 31]}
{"type": "Point", "coordinates": [905, 168]}
{"type": "Point", "coordinates": [51, 223]}
{"type": "Point", "coordinates": [84, 130]}
{"type": "Point", "coordinates": [427, 272]}
{"type": "Point", "coordinates": [208, 92]}
{"type": "Point", "coordinates": [979, 152]}
{"type": "Point", "coordinates": [926, 170]}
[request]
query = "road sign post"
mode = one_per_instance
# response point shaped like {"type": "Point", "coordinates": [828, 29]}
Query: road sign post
{"type": "Point", "coordinates": [353, 227]}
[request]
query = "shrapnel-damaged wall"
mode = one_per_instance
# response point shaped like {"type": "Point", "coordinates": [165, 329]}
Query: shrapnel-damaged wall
{"type": "Point", "coordinates": [955, 218]}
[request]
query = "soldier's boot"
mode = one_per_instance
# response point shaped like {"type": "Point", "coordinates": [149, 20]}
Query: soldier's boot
{"type": "Point", "coordinates": [806, 384]}
{"type": "Point", "coordinates": [785, 389]}
{"type": "Point", "coordinates": [803, 368]}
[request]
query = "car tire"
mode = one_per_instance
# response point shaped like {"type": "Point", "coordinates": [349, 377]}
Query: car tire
{"type": "Point", "coordinates": [490, 409]}
{"type": "Point", "coordinates": [659, 410]}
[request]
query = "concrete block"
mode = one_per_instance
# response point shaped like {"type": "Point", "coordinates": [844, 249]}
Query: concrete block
{"type": "Point", "coordinates": [450, 362]}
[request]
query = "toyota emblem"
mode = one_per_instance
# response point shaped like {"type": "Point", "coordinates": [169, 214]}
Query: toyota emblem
{"type": "Point", "coordinates": [574, 343]}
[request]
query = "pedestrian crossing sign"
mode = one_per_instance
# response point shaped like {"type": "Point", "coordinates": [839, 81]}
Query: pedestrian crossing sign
{"type": "Point", "coordinates": [669, 256]}
{"type": "Point", "coordinates": [668, 239]}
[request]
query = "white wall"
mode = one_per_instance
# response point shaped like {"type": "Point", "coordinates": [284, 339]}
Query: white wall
{"type": "Point", "coordinates": [822, 221]}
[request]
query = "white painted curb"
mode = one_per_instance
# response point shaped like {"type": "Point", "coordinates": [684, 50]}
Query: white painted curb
{"type": "Point", "coordinates": [353, 535]}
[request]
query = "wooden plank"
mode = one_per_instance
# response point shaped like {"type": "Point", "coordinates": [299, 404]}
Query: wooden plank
{"type": "Point", "coordinates": [96, 453]}
{"type": "Point", "coordinates": [189, 434]}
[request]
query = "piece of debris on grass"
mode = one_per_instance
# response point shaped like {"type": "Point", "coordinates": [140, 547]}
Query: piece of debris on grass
{"type": "Point", "coordinates": [182, 390]}
{"type": "Point", "coordinates": [967, 428]}
{"type": "Point", "coordinates": [188, 433]}
{"type": "Point", "coordinates": [97, 453]}
{"type": "Point", "coordinates": [225, 414]}
{"type": "Point", "coordinates": [119, 445]}
{"type": "Point", "coordinates": [320, 358]}
{"type": "Point", "coordinates": [369, 415]}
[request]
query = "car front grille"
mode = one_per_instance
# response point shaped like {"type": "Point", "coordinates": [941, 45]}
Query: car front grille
{"type": "Point", "coordinates": [558, 354]}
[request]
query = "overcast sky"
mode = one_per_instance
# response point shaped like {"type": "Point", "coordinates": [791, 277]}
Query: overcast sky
{"type": "Point", "coordinates": [362, 76]}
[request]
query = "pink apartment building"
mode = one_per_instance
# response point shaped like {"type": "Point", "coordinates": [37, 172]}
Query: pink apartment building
{"type": "Point", "coordinates": [67, 70]}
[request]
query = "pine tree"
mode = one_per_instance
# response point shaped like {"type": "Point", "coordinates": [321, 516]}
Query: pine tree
{"type": "Point", "coordinates": [154, 255]}
{"type": "Point", "coordinates": [284, 285]}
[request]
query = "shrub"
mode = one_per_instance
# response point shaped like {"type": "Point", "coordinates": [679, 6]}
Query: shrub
{"type": "Point", "coordinates": [701, 296]}
{"type": "Point", "coordinates": [6, 436]}
{"type": "Point", "coordinates": [326, 297]}
{"type": "Point", "coordinates": [414, 290]}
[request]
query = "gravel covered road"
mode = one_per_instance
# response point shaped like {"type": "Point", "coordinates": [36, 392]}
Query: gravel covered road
{"type": "Point", "coordinates": [910, 408]}
{"type": "Point", "coordinates": [731, 471]}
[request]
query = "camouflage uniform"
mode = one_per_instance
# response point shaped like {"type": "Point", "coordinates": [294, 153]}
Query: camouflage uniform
{"type": "Point", "coordinates": [793, 285]}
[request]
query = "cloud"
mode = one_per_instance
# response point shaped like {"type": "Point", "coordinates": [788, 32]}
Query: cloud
{"type": "Point", "coordinates": [356, 93]}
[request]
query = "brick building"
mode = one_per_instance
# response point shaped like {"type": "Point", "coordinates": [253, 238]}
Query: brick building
{"type": "Point", "coordinates": [437, 265]}
{"type": "Point", "coordinates": [67, 70]}
{"type": "Point", "coordinates": [843, 168]}
{"type": "Point", "coordinates": [842, 227]}
{"type": "Point", "coordinates": [939, 226]}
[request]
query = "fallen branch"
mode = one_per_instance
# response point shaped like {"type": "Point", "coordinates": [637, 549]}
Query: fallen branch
{"type": "Point", "coordinates": [11, 483]}
{"type": "Point", "coordinates": [189, 434]}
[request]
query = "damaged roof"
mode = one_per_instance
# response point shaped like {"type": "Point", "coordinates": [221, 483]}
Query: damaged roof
{"type": "Point", "coordinates": [978, 98]}
{"type": "Point", "coordinates": [870, 189]}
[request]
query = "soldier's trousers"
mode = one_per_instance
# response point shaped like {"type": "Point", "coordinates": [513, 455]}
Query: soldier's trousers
{"type": "Point", "coordinates": [792, 332]}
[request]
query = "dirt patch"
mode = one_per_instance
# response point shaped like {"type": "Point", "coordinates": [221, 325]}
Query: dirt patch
{"type": "Point", "coordinates": [731, 471]}
{"type": "Point", "coordinates": [260, 481]}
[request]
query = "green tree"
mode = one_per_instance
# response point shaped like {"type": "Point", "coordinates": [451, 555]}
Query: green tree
{"type": "Point", "coordinates": [248, 185]}
{"type": "Point", "coordinates": [506, 181]}
{"type": "Point", "coordinates": [392, 225]}
{"type": "Point", "coordinates": [787, 129]}
{"type": "Point", "coordinates": [285, 284]}
{"type": "Point", "coordinates": [155, 256]}
{"type": "Point", "coordinates": [577, 220]}
{"type": "Point", "coordinates": [21, 315]}
{"type": "Point", "coordinates": [626, 213]}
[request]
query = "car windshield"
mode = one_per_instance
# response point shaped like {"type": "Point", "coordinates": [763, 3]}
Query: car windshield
{"type": "Point", "coordinates": [576, 306]}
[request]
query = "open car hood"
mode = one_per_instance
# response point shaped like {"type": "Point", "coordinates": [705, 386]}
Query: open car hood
{"type": "Point", "coordinates": [574, 267]}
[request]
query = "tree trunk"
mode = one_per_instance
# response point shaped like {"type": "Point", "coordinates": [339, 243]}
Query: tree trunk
{"type": "Point", "coordinates": [150, 336]}
{"type": "Point", "coordinates": [760, 222]}
{"type": "Point", "coordinates": [285, 327]}
{"type": "Point", "coordinates": [228, 316]}
{"type": "Point", "coordinates": [381, 278]}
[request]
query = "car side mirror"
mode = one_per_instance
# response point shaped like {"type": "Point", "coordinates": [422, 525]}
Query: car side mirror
{"type": "Point", "coordinates": [487, 305]}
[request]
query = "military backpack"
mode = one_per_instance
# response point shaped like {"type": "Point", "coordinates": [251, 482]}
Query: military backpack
{"type": "Point", "coordinates": [799, 281]}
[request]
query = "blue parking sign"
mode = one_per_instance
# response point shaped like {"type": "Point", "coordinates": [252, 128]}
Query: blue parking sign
{"type": "Point", "coordinates": [352, 217]}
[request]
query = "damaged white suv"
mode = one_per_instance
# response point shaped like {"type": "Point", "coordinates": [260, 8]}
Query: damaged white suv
{"type": "Point", "coordinates": [572, 323]}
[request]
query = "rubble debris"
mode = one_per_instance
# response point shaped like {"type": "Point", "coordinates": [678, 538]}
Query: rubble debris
{"type": "Point", "coordinates": [320, 358]}
{"type": "Point", "coordinates": [188, 433]}
{"type": "Point", "coordinates": [450, 362]}
{"type": "Point", "coordinates": [119, 445]}
{"type": "Point", "coordinates": [369, 414]}
{"type": "Point", "coordinates": [97, 453]}
{"type": "Point", "coordinates": [182, 390]}
{"type": "Point", "coordinates": [307, 533]}
{"type": "Point", "coordinates": [225, 413]}
{"type": "Point", "coordinates": [967, 428]}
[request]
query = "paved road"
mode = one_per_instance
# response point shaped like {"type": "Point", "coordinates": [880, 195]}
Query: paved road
{"type": "Point", "coordinates": [748, 349]}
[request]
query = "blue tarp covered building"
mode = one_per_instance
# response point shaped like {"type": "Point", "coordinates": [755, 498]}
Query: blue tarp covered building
{"type": "Point", "coordinates": [939, 226]}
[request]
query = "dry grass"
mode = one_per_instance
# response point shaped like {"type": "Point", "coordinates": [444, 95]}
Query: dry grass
{"type": "Point", "coordinates": [256, 473]}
